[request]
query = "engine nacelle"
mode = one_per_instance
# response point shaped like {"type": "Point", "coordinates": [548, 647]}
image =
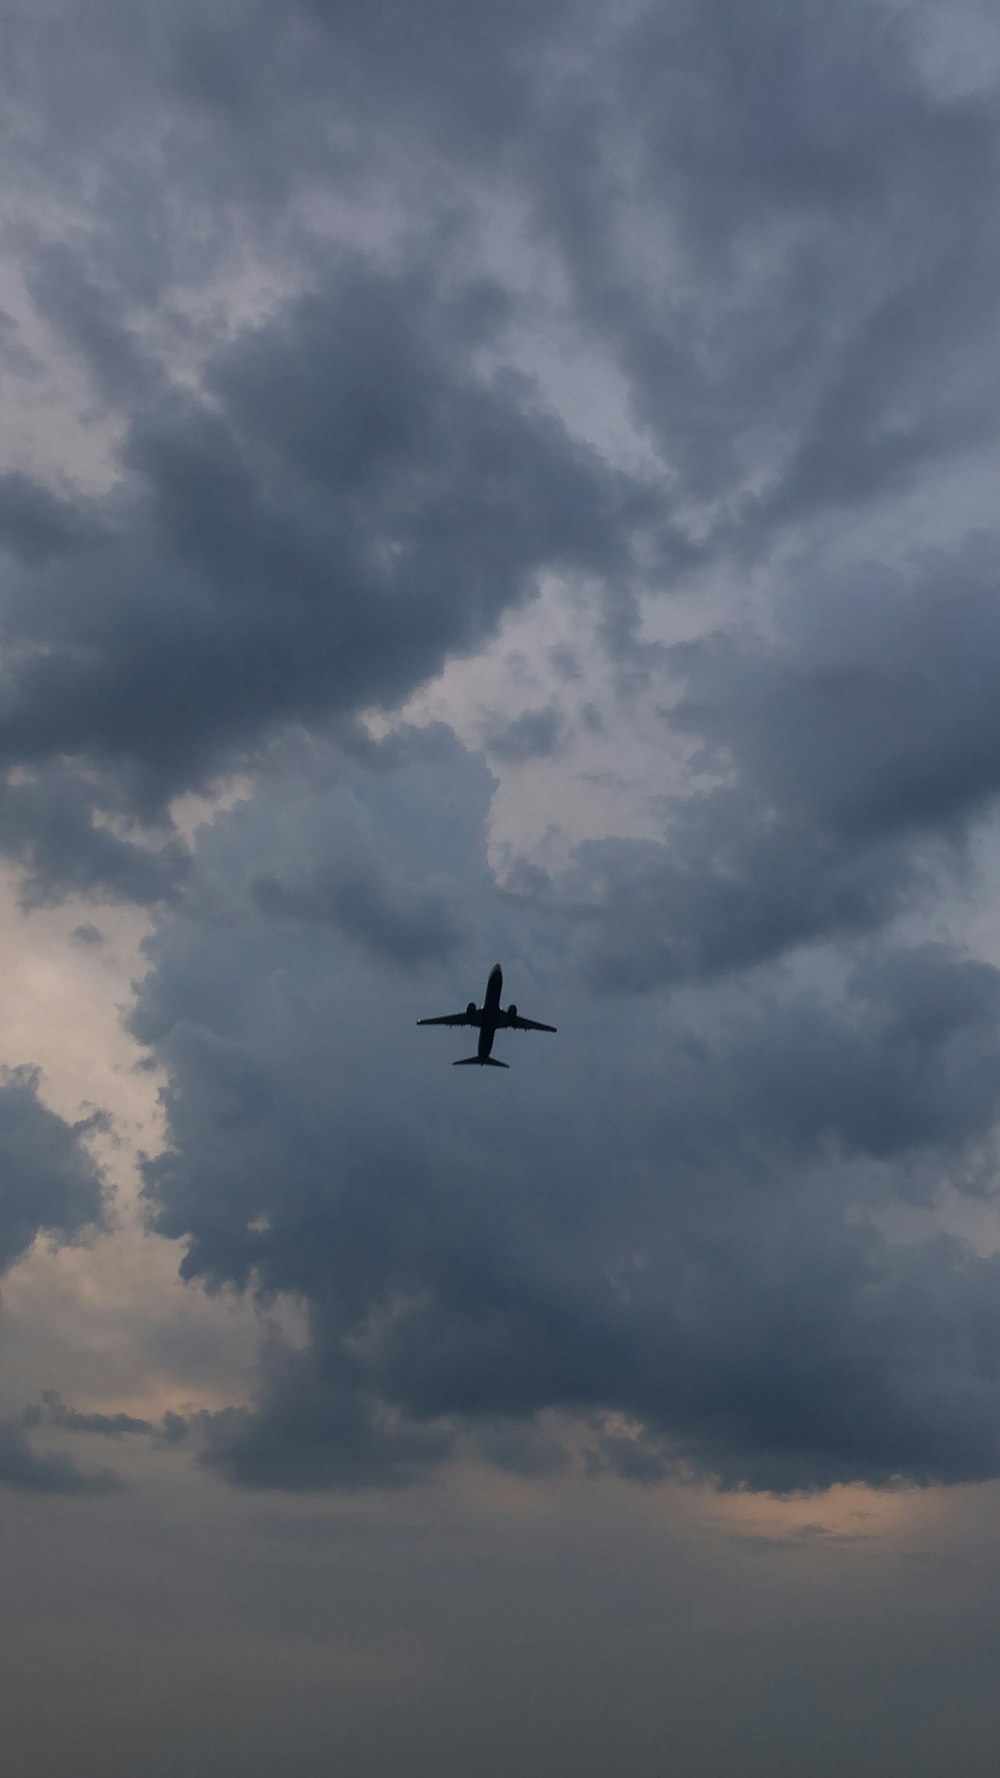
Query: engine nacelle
{"type": "Point", "coordinates": [470, 1009]}
{"type": "Point", "coordinates": [512, 1011]}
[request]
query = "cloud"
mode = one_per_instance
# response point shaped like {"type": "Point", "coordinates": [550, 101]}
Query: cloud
{"type": "Point", "coordinates": [35, 523]}
{"type": "Point", "coordinates": [358, 879]}
{"type": "Point", "coordinates": [87, 313]}
{"type": "Point", "coordinates": [412, 929]}
{"type": "Point", "coordinates": [317, 1425]}
{"type": "Point", "coordinates": [311, 513]}
{"type": "Point", "coordinates": [87, 934]}
{"type": "Point", "coordinates": [537, 734]}
{"type": "Point", "coordinates": [777, 257]}
{"type": "Point", "coordinates": [24, 1470]}
{"type": "Point", "coordinates": [52, 1411]}
{"type": "Point", "coordinates": [693, 1242]}
{"type": "Point", "coordinates": [872, 715]}
{"type": "Point", "coordinates": [837, 769]}
{"type": "Point", "coordinates": [807, 239]}
{"type": "Point", "coordinates": [72, 832]}
{"type": "Point", "coordinates": [49, 1181]}
{"type": "Point", "coordinates": [336, 328]}
{"type": "Point", "coordinates": [781, 238]}
{"type": "Point", "coordinates": [349, 502]}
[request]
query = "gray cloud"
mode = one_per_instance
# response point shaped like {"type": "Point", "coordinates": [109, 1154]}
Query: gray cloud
{"type": "Point", "coordinates": [537, 734]}
{"type": "Point", "coordinates": [318, 1425]}
{"type": "Point", "coordinates": [817, 218]}
{"type": "Point", "coordinates": [360, 485]}
{"type": "Point", "coordinates": [359, 878]}
{"type": "Point", "coordinates": [873, 714]}
{"type": "Point", "coordinates": [355, 488]}
{"type": "Point", "coordinates": [52, 1411]}
{"type": "Point", "coordinates": [692, 1242]}
{"type": "Point", "coordinates": [48, 1181]}
{"type": "Point", "coordinates": [88, 934]}
{"type": "Point", "coordinates": [357, 502]}
{"type": "Point", "coordinates": [35, 523]}
{"type": "Point", "coordinates": [845, 760]}
{"type": "Point", "coordinates": [59, 826]}
{"type": "Point", "coordinates": [410, 928]}
{"type": "Point", "coordinates": [27, 1472]}
{"type": "Point", "coordinates": [86, 311]}
{"type": "Point", "coordinates": [766, 239]}
{"type": "Point", "coordinates": [794, 275]}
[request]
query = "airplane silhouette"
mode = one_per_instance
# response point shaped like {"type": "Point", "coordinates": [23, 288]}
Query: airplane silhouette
{"type": "Point", "coordinates": [488, 1019]}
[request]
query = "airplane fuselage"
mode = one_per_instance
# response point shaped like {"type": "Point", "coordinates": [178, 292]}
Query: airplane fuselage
{"type": "Point", "coordinates": [488, 1019]}
{"type": "Point", "coordinates": [490, 1014]}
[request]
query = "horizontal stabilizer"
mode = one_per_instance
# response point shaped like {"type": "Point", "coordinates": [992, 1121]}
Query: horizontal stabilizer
{"type": "Point", "coordinates": [483, 1062]}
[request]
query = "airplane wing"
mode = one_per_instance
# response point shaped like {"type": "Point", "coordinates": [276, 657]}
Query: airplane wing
{"type": "Point", "coordinates": [518, 1024]}
{"type": "Point", "coordinates": [454, 1018]}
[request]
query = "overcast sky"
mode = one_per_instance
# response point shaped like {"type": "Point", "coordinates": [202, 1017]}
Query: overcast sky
{"type": "Point", "coordinates": [500, 482]}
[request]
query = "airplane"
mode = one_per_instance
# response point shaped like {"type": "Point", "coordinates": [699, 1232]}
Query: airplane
{"type": "Point", "coordinates": [489, 1019]}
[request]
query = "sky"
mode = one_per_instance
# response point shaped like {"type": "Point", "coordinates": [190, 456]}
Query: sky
{"type": "Point", "coordinates": [499, 483]}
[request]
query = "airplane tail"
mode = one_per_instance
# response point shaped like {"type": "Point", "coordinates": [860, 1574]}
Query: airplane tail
{"type": "Point", "coordinates": [483, 1061]}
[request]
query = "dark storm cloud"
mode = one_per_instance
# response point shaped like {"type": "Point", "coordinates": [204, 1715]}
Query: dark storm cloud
{"type": "Point", "coordinates": [893, 1380]}
{"type": "Point", "coordinates": [689, 1243]}
{"type": "Point", "coordinates": [48, 1181]}
{"type": "Point", "coordinates": [28, 1472]}
{"type": "Point", "coordinates": [850, 752]}
{"type": "Point", "coordinates": [345, 495]}
{"type": "Point", "coordinates": [783, 234]}
{"type": "Point", "coordinates": [356, 503]}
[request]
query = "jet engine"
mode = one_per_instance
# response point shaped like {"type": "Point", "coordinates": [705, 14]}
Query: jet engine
{"type": "Point", "coordinates": [512, 1011]}
{"type": "Point", "coordinates": [470, 1009]}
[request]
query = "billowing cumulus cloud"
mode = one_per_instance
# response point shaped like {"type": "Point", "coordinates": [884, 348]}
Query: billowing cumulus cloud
{"type": "Point", "coordinates": [317, 493]}
{"type": "Point", "coordinates": [49, 1185]}
{"type": "Point", "coordinates": [351, 501]}
{"type": "Point", "coordinates": [767, 239]}
{"type": "Point", "coordinates": [673, 1216]}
